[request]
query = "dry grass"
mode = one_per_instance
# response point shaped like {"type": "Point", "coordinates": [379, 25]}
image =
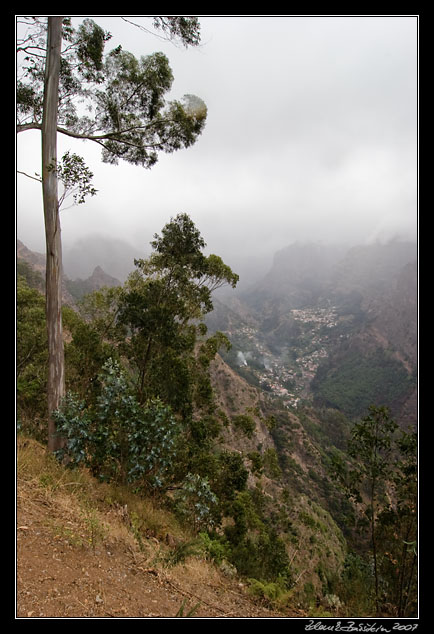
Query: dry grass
{"type": "Point", "coordinates": [88, 514]}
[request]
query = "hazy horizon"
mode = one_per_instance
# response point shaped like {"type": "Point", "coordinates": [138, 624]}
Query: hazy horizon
{"type": "Point", "coordinates": [311, 136]}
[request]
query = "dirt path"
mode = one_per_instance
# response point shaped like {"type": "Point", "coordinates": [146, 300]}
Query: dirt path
{"type": "Point", "coordinates": [60, 576]}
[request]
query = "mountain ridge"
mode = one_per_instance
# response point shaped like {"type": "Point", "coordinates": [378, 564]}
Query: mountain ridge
{"type": "Point", "coordinates": [72, 289]}
{"type": "Point", "coordinates": [319, 303]}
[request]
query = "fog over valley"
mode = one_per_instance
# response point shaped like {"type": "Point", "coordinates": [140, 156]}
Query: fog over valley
{"type": "Point", "coordinates": [217, 284]}
{"type": "Point", "coordinates": [311, 136]}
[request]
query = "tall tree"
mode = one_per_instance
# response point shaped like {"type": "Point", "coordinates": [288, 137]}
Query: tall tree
{"type": "Point", "coordinates": [371, 447]}
{"type": "Point", "coordinates": [163, 304]}
{"type": "Point", "coordinates": [131, 120]}
{"type": "Point", "coordinates": [53, 282]}
{"type": "Point", "coordinates": [381, 478]}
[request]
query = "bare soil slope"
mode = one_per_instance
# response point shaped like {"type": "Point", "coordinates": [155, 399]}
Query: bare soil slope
{"type": "Point", "coordinates": [81, 553]}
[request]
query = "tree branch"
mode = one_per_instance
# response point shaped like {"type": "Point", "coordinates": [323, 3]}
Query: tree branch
{"type": "Point", "coordinates": [39, 180]}
{"type": "Point", "coordinates": [113, 136]}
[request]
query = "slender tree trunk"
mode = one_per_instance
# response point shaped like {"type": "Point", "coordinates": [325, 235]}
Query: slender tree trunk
{"type": "Point", "coordinates": [374, 545]}
{"type": "Point", "coordinates": [56, 370]}
{"type": "Point", "coordinates": [402, 570]}
{"type": "Point", "coordinates": [143, 370]}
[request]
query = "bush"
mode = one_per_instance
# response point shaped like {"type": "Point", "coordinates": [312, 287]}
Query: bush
{"type": "Point", "coordinates": [196, 502]}
{"type": "Point", "coordinates": [275, 594]}
{"type": "Point", "coordinates": [31, 354]}
{"type": "Point", "coordinates": [245, 424]}
{"type": "Point", "coordinates": [214, 547]}
{"type": "Point", "coordinates": [118, 439]}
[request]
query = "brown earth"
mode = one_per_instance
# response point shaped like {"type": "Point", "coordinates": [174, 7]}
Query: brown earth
{"type": "Point", "coordinates": [88, 564]}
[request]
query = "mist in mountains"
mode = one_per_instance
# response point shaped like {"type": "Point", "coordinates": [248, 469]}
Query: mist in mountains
{"type": "Point", "coordinates": [114, 256]}
{"type": "Point", "coordinates": [330, 323]}
{"type": "Point", "coordinates": [305, 265]}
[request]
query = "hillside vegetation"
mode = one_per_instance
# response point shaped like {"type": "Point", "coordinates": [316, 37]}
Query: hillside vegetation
{"type": "Point", "coordinates": [87, 549]}
{"type": "Point", "coordinates": [184, 485]}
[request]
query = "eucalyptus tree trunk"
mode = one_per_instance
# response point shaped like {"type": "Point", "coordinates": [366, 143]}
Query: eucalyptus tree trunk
{"type": "Point", "coordinates": [56, 370]}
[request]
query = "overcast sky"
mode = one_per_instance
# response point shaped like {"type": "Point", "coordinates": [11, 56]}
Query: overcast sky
{"type": "Point", "coordinates": [311, 136]}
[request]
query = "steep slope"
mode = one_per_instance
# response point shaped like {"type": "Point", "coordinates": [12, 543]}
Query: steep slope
{"type": "Point", "coordinates": [377, 364]}
{"type": "Point", "coordinates": [72, 290]}
{"type": "Point", "coordinates": [37, 262]}
{"type": "Point", "coordinates": [293, 478]}
{"type": "Point", "coordinates": [335, 324]}
{"type": "Point", "coordinates": [86, 550]}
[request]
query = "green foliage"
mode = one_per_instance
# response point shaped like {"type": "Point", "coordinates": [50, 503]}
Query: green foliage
{"type": "Point", "coordinates": [196, 501]}
{"type": "Point", "coordinates": [356, 586]}
{"type": "Point", "coordinates": [85, 355]}
{"type": "Point", "coordinates": [182, 551]}
{"type": "Point", "coordinates": [245, 424]}
{"type": "Point", "coordinates": [31, 351]}
{"type": "Point", "coordinates": [356, 381]}
{"type": "Point", "coordinates": [126, 110]}
{"type": "Point", "coordinates": [332, 428]}
{"type": "Point", "coordinates": [250, 541]}
{"type": "Point", "coordinates": [75, 177]}
{"type": "Point", "coordinates": [215, 548]}
{"type": "Point", "coordinates": [231, 476]}
{"type": "Point", "coordinates": [274, 594]}
{"type": "Point", "coordinates": [271, 463]}
{"type": "Point", "coordinates": [162, 305]}
{"type": "Point", "coordinates": [187, 29]}
{"type": "Point", "coordinates": [33, 278]}
{"type": "Point", "coordinates": [191, 611]}
{"type": "Point", "coordinates": [117, 438]}
{"type": "Point", "coordinates": [370, 446]}
{"type": "Point", "coordinates": [90, 42]}
{"type": "Point", "coordinates": [397, 530]}
{"type": "Point", "coordinates": [382, 479]}
{"type": "Point", "coordinates": [262, 557]}
{"type": "Point", "coordinates": [257, 466]}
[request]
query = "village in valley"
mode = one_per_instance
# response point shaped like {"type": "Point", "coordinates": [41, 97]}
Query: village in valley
{"type": "Point", "coordinates": [288, 374]}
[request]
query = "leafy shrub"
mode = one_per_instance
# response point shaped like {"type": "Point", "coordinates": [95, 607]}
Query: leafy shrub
{"type": "Point", "coordinates": [245, 424]}
{"type": "Point", "coordinates": [118, 439]}
{"type": "Point", "coordinates": [271, 463]}
{"type": "Point", "coordinates": [214, 547]}
{"type": "Point", "coordinates": [196, 501]}
{"type": "Point", "coordinates": [275, 593]}
{"type": "Point", "coordinates": [31, 353]}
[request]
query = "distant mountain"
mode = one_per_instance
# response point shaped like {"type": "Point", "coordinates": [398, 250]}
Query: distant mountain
{"type": "Point", "coordinates": [72, 290]}
{"type": "Point", "coordinates": [36, 260]}
{"type": "Point", "coordinates": [113, 255]}
{"type": "Point", "coordinates": [299, 277]}
{"type": "Point", "coordinates": [337, 324]}
{"type": "Point", "coordinates": [37, 263]}
{"type": "Point", "coordinates": [371, 268]}
{"type": "Point", "coordinates": [95, 282]}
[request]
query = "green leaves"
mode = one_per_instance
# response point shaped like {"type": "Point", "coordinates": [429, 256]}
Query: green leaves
{"type": "Point", "coordinates": [31, 348]}
{"type": "Point", "coordinates": [186, 28]}
{"type": "Point", "coordinates": [133, 116]}
{"type": "Point", "coordinates": [90, 42]}
{"type": "Point", "coordinates": [163, 304]}
{"type": "Point", "coordinates": [196, 501]}
{"type": "Point", "coordinates": [381, 478]}
{"type": "Point", "coordinates": [371, 443]}
{"type": "Point", "coordinates": [75, 177]}
{"type": "Point", "coordinates": [124, 96]}
{"type": "Point", "coordinates": [117, 438]}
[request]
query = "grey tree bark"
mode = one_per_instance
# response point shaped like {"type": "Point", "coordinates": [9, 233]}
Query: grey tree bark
{"type": "Point", "coordinates": [56, 369]}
